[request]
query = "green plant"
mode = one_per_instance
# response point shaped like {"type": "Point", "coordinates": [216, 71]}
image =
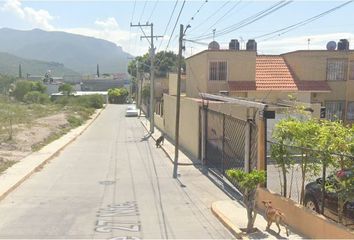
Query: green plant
{"type": "Point", "coordinates": [66, 88]}
{"type": "Point", "coordinates": [248, 183]}
{"type": "Point", "coordinates": [118, 95]}
{"type": "Point", "coordinates": [74, 121]}
{"type": "Point", "coordinates": [36, 97]}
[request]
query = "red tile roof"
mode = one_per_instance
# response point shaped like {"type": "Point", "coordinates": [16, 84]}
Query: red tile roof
{"type": "Point", "coordinates": [272, 73]}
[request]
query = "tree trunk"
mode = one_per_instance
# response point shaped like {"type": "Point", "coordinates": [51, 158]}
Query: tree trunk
{"type": "Point", "coordinates": [249, 200]}
{"type": "Point", "coordinates": [284, 179]}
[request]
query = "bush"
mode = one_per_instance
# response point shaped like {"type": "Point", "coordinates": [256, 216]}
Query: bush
{"type": "Point", "coordinates": [75, 121]}
{"type": "Point", "coordinates": [118, 95]}
{"type": "Point", "coordinates": [36, 97]}
{"type": "Point", "coordinates": [21, 89]}
{"type": "Point", "coordinates": [66, 89]}
{"type": "Point", "coordinates": [89, 101]}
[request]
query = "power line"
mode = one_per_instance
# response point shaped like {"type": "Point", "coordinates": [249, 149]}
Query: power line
{"type": "Point", "coordinates": [223, 16]}
{"type": "Point", "coordinates": [131, 20]}
{"type": "Point", "coordinates": [304, 22]}
{"type": "Point", "coordinates": [153, 10]}
{"type": "Point", "coordinates": [192, 18]}
{"type": "Point", "coordinates": [248, 21]}
{"type": "Point", "coordinates": [179, 14]}
{"type": "Point", "coordinates": [168, 24]}
{"type": "Point", "coordinates": [142, 13]}
{"type": "Point", "coordinates": [212, 15]}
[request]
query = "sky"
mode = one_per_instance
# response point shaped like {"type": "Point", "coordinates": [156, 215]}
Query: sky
{"type": "Point", "coordinates": [110, 20]}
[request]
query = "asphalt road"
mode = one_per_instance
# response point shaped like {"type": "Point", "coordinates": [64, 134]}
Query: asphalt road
{"type": "Point", "coordinates": [112, 183]}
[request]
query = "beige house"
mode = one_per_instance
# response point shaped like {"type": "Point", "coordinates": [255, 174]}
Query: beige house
{"type": "Point", "coordinates": [312, 76]}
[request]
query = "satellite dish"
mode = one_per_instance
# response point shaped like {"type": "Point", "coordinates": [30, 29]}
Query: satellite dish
{"type": "Point", "coordinates": [214, 46]}
{"type": "Point", "coordinates": [331, 45]}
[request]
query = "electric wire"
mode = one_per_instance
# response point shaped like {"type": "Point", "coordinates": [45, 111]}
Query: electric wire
{"type": "Point", "coordinates": [222, 17]}
{"type": "Point", "coordinates": [210, 16]}
{"type": "Point", "coordinates": [192, 18]}
{"type": "Point", "coordinates": [179, 14]}
{"type": "Point", "coordinates": [168, 24]}
{"type": "Point", "coordinates": [302, 23]}
{"type": "Point", "coordinates": [247, 21]}
{"type": "Point", "coordinates": [153, 10]}
{"type": "Point", "coordinates": [142, 12]}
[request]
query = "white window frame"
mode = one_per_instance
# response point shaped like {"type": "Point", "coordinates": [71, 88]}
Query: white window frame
{"type": "Point", "coordinates": [218, 73]}
{"type": "Point", "coordinates": [334, 115]}
{"type": "Point", "coordinates": [336, 69]}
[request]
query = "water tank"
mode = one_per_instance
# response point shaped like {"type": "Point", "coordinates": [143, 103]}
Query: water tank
{"type": "Point", "coordinates": [343, 45]}
{"type": "Point", "coordinates": [331, 45]}
{"type": "Point", "coordinates": [234, 45]}
{"type": "Point", "coordinates": [214, 46]}
{"type": "Point", "coordinates": [251, 45]}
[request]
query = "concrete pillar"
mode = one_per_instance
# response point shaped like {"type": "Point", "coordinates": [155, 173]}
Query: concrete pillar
{"type": "Point", "coordinates": [261, 161]}
{"type": "Point", "coordinates": [247, 146]}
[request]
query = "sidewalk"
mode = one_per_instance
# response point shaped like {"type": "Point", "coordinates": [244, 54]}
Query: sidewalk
{"type": "Point", "coordinates": [167, 146]}
{"type": "Point", "coordinates": [19, 172]}
{"type": "Point", "coordinates": [231, 213]}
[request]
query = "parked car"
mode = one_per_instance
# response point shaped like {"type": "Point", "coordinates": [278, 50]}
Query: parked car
{"type": "Point", "coordinates": [131, 111]}
{"type": "Point", "coordinates": [313, 201]}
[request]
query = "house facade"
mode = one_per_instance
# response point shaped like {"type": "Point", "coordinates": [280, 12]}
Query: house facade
{"type": "Point", "coordinates": [311, 76]}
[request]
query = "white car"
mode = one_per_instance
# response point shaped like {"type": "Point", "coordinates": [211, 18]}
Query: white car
{"type": "Point", "coordinates": [131, 111]}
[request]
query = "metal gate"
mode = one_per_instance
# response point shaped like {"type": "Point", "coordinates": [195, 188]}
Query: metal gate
{"type": "Point", "coordinates": [226, 142]}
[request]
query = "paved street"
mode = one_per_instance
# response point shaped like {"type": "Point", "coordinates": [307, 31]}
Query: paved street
{"type": "Point", "coordinates": [112, 183]}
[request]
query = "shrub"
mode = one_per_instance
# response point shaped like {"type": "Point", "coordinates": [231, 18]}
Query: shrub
{"type": "Point", "coordinates": [90, 101]}
{"type": "Point", "coordinates": [66, 89]}
{"type": "Point", "coordinates": [74, 121]}
{"type": "Point", "coordinates": [21, 89]}
{"type": "Point", "coordinates": [36, 97]}
{"type": "Point", "coordinates": [118, 95]}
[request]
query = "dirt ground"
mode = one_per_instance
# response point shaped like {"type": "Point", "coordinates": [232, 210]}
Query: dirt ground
{"type": "Point", "coordinates": [28, 135]}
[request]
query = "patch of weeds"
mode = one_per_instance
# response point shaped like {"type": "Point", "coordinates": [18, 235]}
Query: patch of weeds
{"type": "Point", "coordinates": [74, 121]}
{"type": "Point", "coordinates": [54, 136]}
{"type": "Point", "coordinates": [5, 165]}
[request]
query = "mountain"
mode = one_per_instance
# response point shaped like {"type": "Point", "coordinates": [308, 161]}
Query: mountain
{"type": "Point", "coordinates": [77, 52]}
{"type": "Point", "coordinates": [9, 64]}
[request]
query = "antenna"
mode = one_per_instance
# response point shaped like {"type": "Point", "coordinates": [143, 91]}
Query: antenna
{"type": "Point", "coordinates": [308, 43]}
{"type": "Point", "coordinates": [214, 30]}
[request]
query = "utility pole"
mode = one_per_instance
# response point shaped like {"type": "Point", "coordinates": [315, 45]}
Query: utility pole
{"type": "Point", "coordinates": [152, 68]}
{"type": "Point", "coordinates": [138, 97]}
{"type": "Point", "coordinates": [178, 100]}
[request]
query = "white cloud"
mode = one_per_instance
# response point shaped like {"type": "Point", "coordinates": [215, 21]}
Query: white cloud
{"type": "Point", "coordinates": [39, 18]}
{"type": "Point", "coordinates": [109, 23]}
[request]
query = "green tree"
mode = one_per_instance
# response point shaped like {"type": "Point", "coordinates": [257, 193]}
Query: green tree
{"type": "Point", "coordinates": [145, 94]}
{"type": "Point", "coordinates": [66, 88]}
{"type": "Point", "coordinates": [165, 62]}
{"type": "Point", "coordinates": [6, 83]}
{"type": "Point", "coordinates": [10, 115]}
{"type": "Point", "coordinates": [36, 97]}
{"type": "Point", "coordinates": [21, 89]}
{"type": "Point", "coordinates": [118, 95]}
{"type": "Point", "coordinates": [248, 183]}
{"type": "Point", "coordinates": [39, 87]}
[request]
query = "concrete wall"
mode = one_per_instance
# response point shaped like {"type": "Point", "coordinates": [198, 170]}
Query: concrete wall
{"type": "Point", "coordinates": [172, 84]}
{"type": "Point", "coordinates": [312, 65]}
{"type": "Point", "coordinates": [189, 123]}
{"type": "Point", "coordinates": [241, 66]}
{"type": "Point", "coordinates": [310, 224]}
{"type": "Point", "coordinates": [275, 96]}
{"type": "Point", "coordinates": [159, 122]}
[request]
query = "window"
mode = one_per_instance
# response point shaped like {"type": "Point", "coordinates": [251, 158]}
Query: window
{"type": "Point", "coordinates": [334, 110]}
{"type": "Point", "coordinates": [218, 71]}
{"type": "Point", "coordinates": [351, 73]}
{"type": "Point", "coordinates": [350, 111]}
{"type": "Point", "coordinates": [337, 69]}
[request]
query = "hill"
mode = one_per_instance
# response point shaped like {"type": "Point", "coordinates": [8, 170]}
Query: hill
{"type": "Point", "coordinates": [9, 66]}
{"type": "Point", "coordinates": [77, 52]}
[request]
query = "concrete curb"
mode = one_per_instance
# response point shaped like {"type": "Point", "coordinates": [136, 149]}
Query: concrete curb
{"type": "Point", "coordinates": [227, 222]}
{"type": "Point", "coordinates": [27, 172]}
{"type": "Point", "coordinates": [165, 151]}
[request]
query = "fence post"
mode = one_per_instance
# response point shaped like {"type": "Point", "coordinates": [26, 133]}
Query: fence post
{"type": "Point", "coordinates": [223, 145]}
{"type": "Point", "coordinates": [204, 128]}
{"type": "Point", "coordinates": [247, 146]}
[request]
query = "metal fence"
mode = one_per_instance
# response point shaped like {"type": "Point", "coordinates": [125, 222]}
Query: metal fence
{"type": "Point", "coordinates": [295, 156]}
{"type": "Point", "coordinates": [226, 142]}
